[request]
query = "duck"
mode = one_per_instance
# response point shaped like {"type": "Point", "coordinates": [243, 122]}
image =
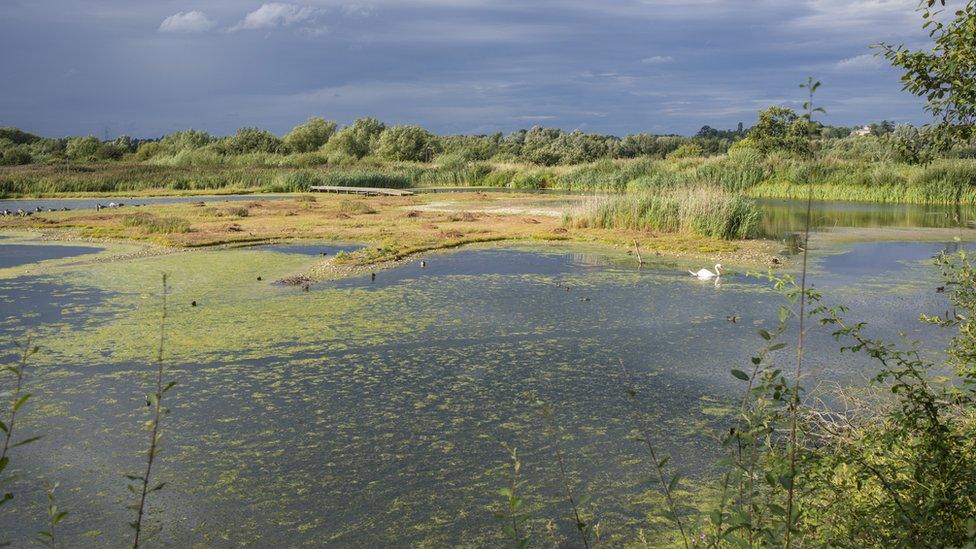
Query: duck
{"type": "Point", "coordinates": [705, 274]}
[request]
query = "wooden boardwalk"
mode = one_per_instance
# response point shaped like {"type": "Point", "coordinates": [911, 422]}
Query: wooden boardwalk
{"type": "Point", "coordinates": [368, 191]}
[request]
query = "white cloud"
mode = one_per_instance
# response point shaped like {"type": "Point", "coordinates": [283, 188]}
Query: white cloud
{"type": "Point", "coordinates": [276, 14]}
{"type": "Point", "coordinates": [187, 22]}
{"type": "Point", "coordinates": [864, 62]}
{"type": "Point", "coordinates": [657, 60]}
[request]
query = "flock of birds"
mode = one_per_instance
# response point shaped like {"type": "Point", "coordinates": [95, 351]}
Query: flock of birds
{"type": "Point", "coordinates": [37, 209]}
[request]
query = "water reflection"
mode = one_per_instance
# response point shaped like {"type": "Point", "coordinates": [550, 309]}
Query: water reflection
{"type": "Point", "coordinates": [781, 217]}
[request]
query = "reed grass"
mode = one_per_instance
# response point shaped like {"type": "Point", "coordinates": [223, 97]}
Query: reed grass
{"type": "Point", "coordinates": [702, 211]}
{"type": "Point", "coordinates": [156, 224]}
{"type": "Point", "coordinates": [742, 171]}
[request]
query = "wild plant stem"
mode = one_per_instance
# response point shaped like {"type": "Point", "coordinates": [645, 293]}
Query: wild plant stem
{"type": "Point", "coordinates": [580, 525]}
{"type": "Point", "coordinates": [157, 410]}
{"type": "Point", "coordinates": [9, 435]}
{"type": "Point", "coordinates": [795, 397]}
{"type": "Point", "coordinates": [653, 453]}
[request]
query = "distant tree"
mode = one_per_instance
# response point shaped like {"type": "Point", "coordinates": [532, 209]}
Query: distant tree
{"type": "Point", "coordinates": [409, 143]}
{"type": "Point", "coordinates": [310, 135]}
{"type": "Point", "coordinates": [707, 131]}
{"type": "Point", "coordinates": [109, 151]}
{"type": "Point", "coordinates": [882, 128]}
{"type": "Point", "coordinates": [357, 140]}
{"type": "Point", "coordinates": [910, 144]}
{"type": "Point", "coordinates": [638, 144]}
{"type": "Point", "coordinates": [82, 148]}
{"type": "Point", "coordinates": [13, 154]}
{"type": "Point", "coordinates": [946, 75]}
{"type": "Point", "coordinates": [125, 143]}
{"type": "Point", "coordinates": [472, 147]}
{"type": "Point", "coordinates": [185, 140]}
{"type": "Point", "coordinates": [252, 140]}
{"type": "Point", "coordinates": [688, 150]}
{"type": "Point", "coordinates": [780, 129]}
{"type": "Point", "coordinates": [17, 136]}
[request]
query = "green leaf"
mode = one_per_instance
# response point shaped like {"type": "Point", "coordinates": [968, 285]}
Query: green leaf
{"type": "Point", "coordinates": [740, 374]}
{"type": "Point", "coordinates": [21, 401]}
{"type": "Point", "coordinates": [765, 335]}
{"type": "Point", "coordinates": [674, 483]}
{"type": "Point", "coordinates": [776, 346]}
{"type": "Point", "coordinates": [26, 441]}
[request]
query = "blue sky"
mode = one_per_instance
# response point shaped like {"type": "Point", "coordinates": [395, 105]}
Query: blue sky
{"type": "Point", "coordinates": [455, 66]}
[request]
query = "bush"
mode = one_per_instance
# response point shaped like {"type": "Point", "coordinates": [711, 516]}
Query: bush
{"type": "Point", "coordinates": [687, 150]}
{"type": "Point", "coordinates": [109, 151]}
{"type": "Point", "coordinates": [14, 155]}
{"type": "Point", "coordinates": [251, 140]}
{"type": "Point", "coordinates": [355, 207]}
{"type": "Point", "coordinates": [535, 179]}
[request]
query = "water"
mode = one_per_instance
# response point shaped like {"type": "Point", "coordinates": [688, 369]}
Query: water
{"type": "Point", "coordinates": [784, 216]}
{"type": "Point", "coordinates": [374, 412]}
{"type": "Point", "coordinates": [29, 204]}
{"type": "Point", "coordinates": [20, 254]}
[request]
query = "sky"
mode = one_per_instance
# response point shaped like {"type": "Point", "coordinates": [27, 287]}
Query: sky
{"type": "Point", "coordinates": [146, 68]}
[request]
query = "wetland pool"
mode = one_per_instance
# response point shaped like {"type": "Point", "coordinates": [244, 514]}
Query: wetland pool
{"type": "Point", "coordinates": [377, 412]}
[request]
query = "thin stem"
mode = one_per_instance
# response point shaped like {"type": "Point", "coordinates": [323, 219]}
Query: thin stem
{"type": "Point", "coordinates": [19, 372]}
{"type": "Point", "coordinates": [653, 453]}
{"type": "Point", "coordinates": [795, 397]}
{"type": "Point", "coordinates": [157, 411]}
{"type": "Point", "coordinates": [554, 432]}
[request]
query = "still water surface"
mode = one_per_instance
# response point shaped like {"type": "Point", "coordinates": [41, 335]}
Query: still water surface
{"type": "Point", "coordinates": [368, 412]}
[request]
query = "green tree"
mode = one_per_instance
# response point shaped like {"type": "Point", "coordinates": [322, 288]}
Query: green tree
{"type": "Point", "coordinates": [357, 140]}
{"type": "Point", "coordinates": [780, 129]}
{"type": "Point", "coordinates": [82, 148]}
{"type": "Point", "coordinates": [945, 75]}
{"type": "Point", "coordinates": [688, 150]}
{"type": "Point", "coordinates": [408, 143]}
{"type": "Point", "coordinates": [252, 140]}
{"type": "Point", "coordinates": [310, 135]}
{"type": "Point", "coordinates": [185, 140]}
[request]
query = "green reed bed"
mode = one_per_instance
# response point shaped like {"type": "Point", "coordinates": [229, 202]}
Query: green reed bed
{"type": "Point", "coordinates": [703, 211]}
{"type": "Point", "coordinates": [156, 224]}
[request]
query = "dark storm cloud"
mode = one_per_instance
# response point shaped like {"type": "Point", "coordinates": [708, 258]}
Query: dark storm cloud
{"type": "Point", "coordinates": [90, 66]}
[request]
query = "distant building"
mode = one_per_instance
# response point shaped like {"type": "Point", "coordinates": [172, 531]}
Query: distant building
{"type": "Point", "coordinates": [861, 132]}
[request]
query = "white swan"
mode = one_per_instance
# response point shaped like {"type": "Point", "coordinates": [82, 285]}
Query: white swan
{"type": "Point", "coordinates": [705, 274]}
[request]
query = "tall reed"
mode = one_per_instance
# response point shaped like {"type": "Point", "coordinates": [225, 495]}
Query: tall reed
{"type": "Point", "coordinates": [702, 211]}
